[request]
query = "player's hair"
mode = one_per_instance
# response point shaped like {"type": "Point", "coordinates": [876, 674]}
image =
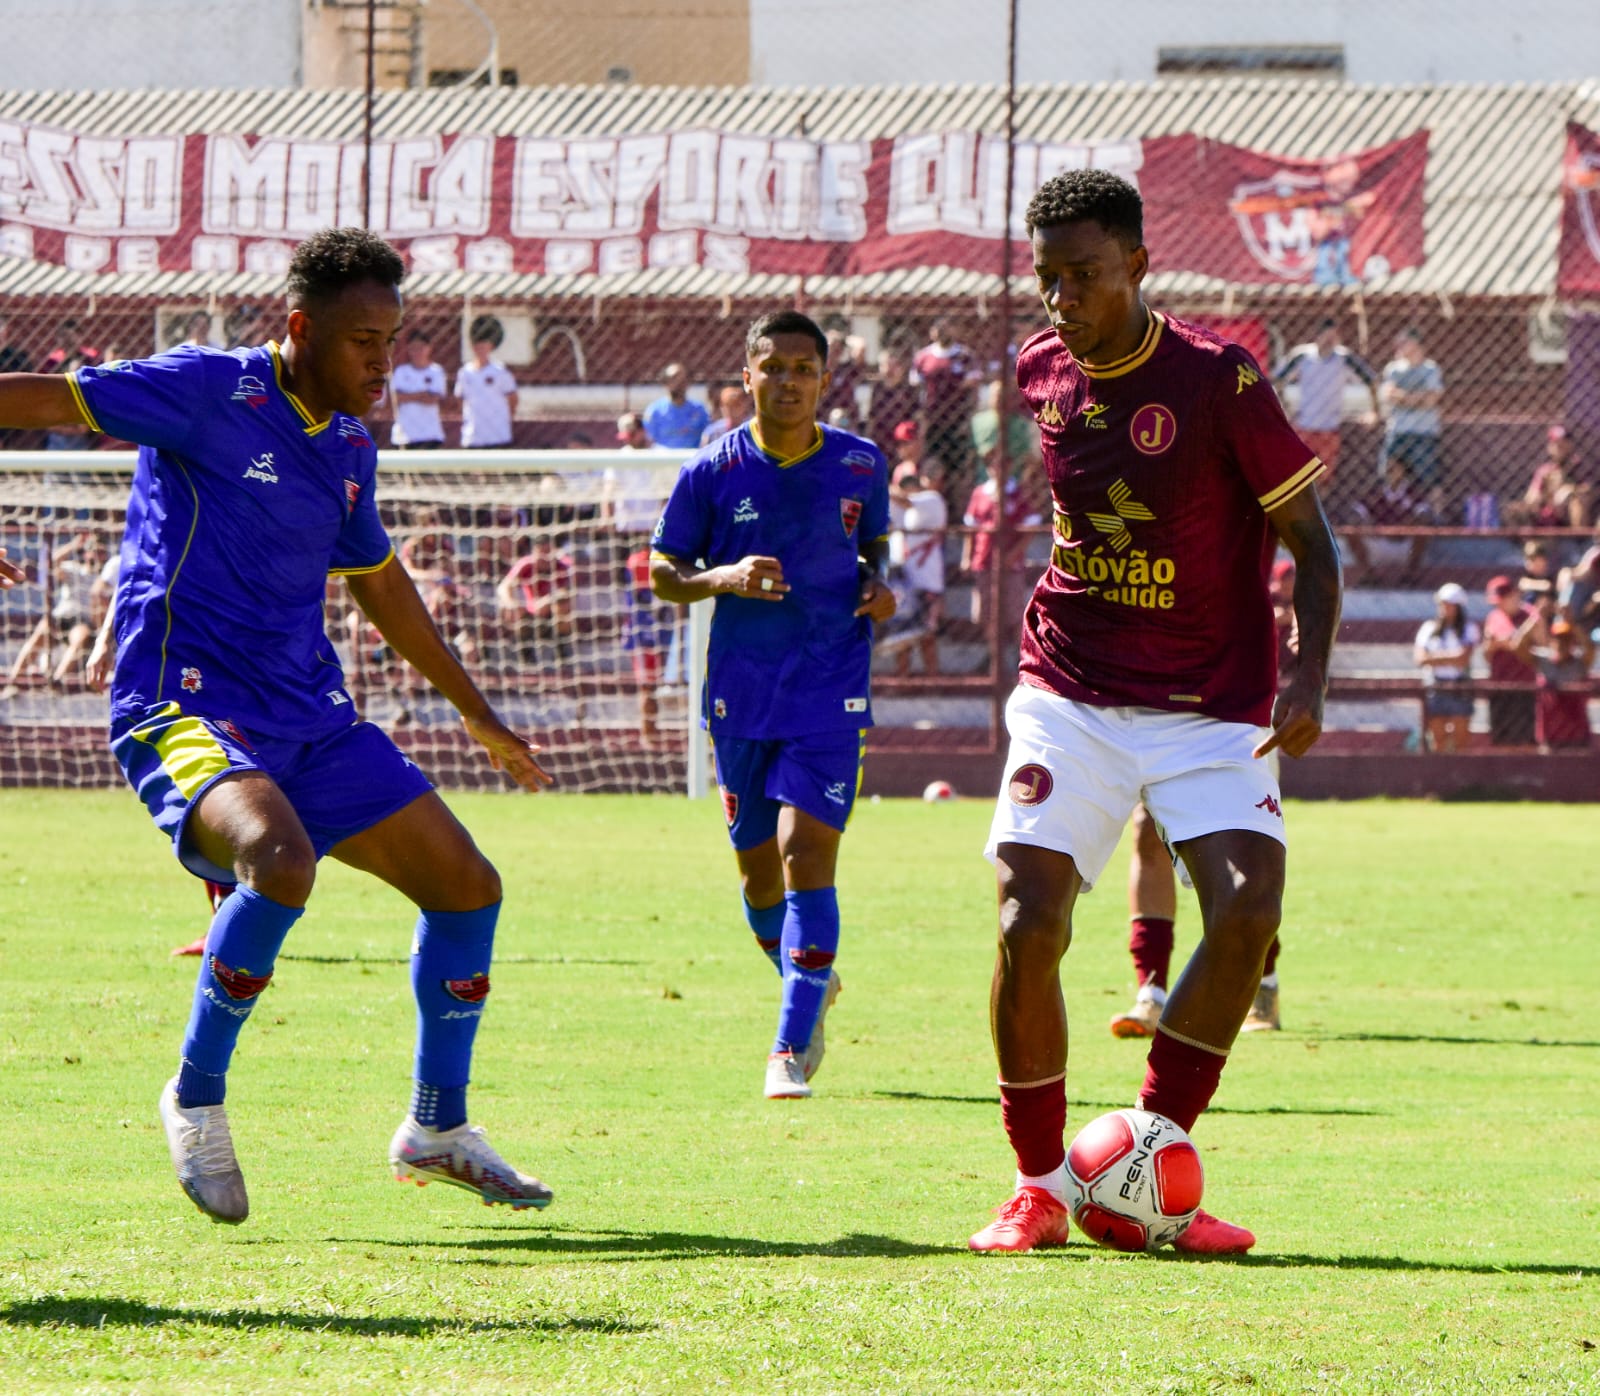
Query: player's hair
{"type": "Point", "coordinates": [768, 327]}
{"type": "Point", "coordinates": [1089, 196]}
{"type": "Point", "coordinates": [335, 258]}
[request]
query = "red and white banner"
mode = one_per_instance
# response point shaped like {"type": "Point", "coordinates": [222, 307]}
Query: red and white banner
{"type": "Point", "coordinates": [1578, 263]}
{"type": "Point", "coordinates": [730, 202]}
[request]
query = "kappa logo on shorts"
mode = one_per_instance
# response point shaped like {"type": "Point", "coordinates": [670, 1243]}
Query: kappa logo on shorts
{"type": "Point", "coordinates": [730, 804]}
{"type": "Point", "coordinates": [473, 990]}
{"type": "Point", "coordinates": [1030, 785]}
{"type": "Point", "coordinates": [1271, 806]}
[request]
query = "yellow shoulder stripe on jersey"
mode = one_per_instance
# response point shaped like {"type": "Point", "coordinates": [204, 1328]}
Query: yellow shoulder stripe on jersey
{"type": "Point", "coordinates": [313, 426]}
{"type": "Point", "coordinates": [362, 571]}
{"type": "Point", "coordinates": [1140, 356]}
{"type": "Point", "coordinates": [1293, 485]}
{"type": "Point", "coordinates": [811, 450]}
{"type": "Point", "coordinates": [82, 402]}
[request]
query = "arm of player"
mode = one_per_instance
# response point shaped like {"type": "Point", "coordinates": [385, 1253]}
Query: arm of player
{"type": "Point", "coordinates": [390, 600]}
{"type": "Point", "coordinates": [877, 600]}
{"type": "Point", "coordinates": [10, 573]}
{"type": "Point", "coordinates": [1303, 528]}
{"type": "Point", "coordinates": [98, 668]}
{"type": "Point", "coordinates": [31, 401]}
{"type": "Point", "coordinates": [759, 578]}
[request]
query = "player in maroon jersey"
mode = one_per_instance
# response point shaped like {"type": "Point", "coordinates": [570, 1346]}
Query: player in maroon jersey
{"type": "Point", "coordinates": [1148, 671]}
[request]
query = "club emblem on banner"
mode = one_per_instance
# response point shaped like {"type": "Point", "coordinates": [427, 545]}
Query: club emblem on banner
{"type": "Point", "coordinates": [1299, 223]}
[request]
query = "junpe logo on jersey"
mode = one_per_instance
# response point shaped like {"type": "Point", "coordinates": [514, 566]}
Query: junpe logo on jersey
{"type": "Point", "coordinates": [252, 390]}
{"type": "Point", "coordinates": [1092, 413]}
{"type": "Point", "coordinates": [849, 515]}
{"type": "Point", "coordinates": [262, 468]}
{"type": "Point", "coordinates": [1153, 429]}
{"type": "Point", "coordinates": [746, 512]}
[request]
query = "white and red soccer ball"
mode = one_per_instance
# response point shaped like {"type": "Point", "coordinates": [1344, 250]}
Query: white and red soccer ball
{"type": "Point", "coordinates": [938, 791]}
{"type": "Point", "coordinates": [1133, 1180]}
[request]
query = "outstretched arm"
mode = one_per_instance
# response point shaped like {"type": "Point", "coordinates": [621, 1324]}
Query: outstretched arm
{"type": "Point", "coordinates": [1303, 529]}
{"type": "Point", "coordinates": [31, 401]}
{"type": "Point", "coordinates": [10, 573]}
{"type": "Point", "coordinates": [390, 600]}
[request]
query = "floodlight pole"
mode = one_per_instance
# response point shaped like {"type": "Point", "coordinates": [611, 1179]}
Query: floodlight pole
{"type": "Point", "coordinates": [366, 119]}
{"type": "Point", "coordinates": [999, 558]}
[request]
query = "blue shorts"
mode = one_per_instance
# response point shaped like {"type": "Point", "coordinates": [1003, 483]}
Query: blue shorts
{"type": "Point", "coordinates": [339, 785]}
{"type": "Point", "coordinates": [818, 774]}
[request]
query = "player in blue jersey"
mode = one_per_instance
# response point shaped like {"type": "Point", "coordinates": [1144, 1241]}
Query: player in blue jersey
{"type": "Point", "coordinates": [786, 523]}
{"type": "Point", "coordinates": [229, 713]}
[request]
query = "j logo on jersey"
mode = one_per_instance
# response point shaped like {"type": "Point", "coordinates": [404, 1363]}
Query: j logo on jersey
{"type": "Point", "coordinates": [1153, 429]}
{"type": "Point", "coordinates": [849, 515]}
{"type": "Point", "coordinates": [262, 468]}
{"type": "Point", "coordinates": [251, 390]}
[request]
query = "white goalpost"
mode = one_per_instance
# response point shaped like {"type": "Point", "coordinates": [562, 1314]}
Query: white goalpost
{"type": "Point", "coordinates": [533, 563]}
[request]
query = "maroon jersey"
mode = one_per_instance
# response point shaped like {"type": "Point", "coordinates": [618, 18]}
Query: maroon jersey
{"type": "Point", "coordinates": [1162, 467]}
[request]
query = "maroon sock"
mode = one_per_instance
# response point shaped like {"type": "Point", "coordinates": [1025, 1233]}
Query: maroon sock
{"type": "Point", "coordinates": [1150, 944]}
{"type": "Point", "coordinates": [1035, 1118]}
{"type": "Point", "coordinates": [1271, 964]}
{"type": "Point", "coordinates": [1179, 1080]}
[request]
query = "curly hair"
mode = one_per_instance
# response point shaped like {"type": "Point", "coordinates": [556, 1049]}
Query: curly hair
{"type": "Point", "coordinates": [1089, 195]}
{"type": "Point", "coordinates": [784, 322]}
{"type": "Point", "coordinates": [329, 261]}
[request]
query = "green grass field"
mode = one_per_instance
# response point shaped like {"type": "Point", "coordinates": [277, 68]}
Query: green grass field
{"type": "Point", "coordinates": [1417, 1151]}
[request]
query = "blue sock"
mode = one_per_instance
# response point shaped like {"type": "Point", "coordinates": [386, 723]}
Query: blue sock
{"type": "Point", "coordinates": [450, 978]}
{"type": "Point", "coordinates": [766, 923]}
{"type": "Point", "coordinates": [241, 948]}
{"type": "Point", "coordinates": [810, 941]}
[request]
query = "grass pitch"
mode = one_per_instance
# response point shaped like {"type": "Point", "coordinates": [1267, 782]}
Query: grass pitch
{"type": "Point", "coordinates": [1417, 1150]}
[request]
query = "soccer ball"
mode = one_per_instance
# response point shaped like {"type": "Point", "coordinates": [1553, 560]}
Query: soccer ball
{"type": "Point", "coordinates": [1133, 1180]}
{"type": "Point", "coordinates": [939, 791]}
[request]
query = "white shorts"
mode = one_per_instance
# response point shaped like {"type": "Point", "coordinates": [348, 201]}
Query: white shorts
{"type": "Point", "coordinates": [1074, 773]}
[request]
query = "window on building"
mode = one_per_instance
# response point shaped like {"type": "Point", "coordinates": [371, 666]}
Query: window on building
{"type": "Point", "coordinates": [1208, 60]}
{"type": "Point", "coordinates": [454, 77]}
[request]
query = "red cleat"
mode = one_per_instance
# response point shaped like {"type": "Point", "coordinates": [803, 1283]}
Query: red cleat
{"type": "Point", "coordinates": [1031, 1219]}
{"type": "Point", "coordinates": [1206, 1235]}
{"type": "Point", "coordinates": [194, 947]}
{"type": "Point", "coordinates": [216, 894]}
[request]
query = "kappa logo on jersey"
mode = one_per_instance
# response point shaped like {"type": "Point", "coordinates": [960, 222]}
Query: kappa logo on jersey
{"type": "Point", "coordinates": [1114, 525]}
{"type": "Point", "coordinates": [352, 492]}
{"type": "Point", "coordinates": [474, 990]}
{"type": "Point", "coordinates": [1093, 412]}
{"type": "Point", "coordinates": [746, 512]}
{"type": "Point", "coordinates": [849, 515]}
{"type": "Point", "coordinates": [1050, 415]}
{"type": "Point", "coordinates": [238, 983]}
{"type": "Point", "coordinates": [1271, 806]}
{"type": "Point", "coordinates": [730, 804]}
{"type": "Point", "coordinates": [857, 462]}
{"type": "Point", "coordinates": [1248, 378]}
{"type": "Point", "coordinates": [262, 468]}
{"type": "Point", "coordinates": [192, 682]}
{"type": "Point", "coordinates": [1153, 429]}
{"type": "Point", "coordinates": [354, 432]}
{"type": "Point", "coordinates": [252, 390]}
{"type": "Point", "coordinates": [1030, 785]}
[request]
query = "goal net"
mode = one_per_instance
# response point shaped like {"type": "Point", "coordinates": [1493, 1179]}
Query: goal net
{"type": "Point", "coordinates": [534, 565]}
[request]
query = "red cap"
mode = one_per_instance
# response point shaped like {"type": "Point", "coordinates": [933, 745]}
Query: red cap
{"type": "Point", "coordinates": [1557, 432]}
{"type": "Point", "coordinates": [906, 431]}
{"type": "Point", "coordinates": [1498, 587]}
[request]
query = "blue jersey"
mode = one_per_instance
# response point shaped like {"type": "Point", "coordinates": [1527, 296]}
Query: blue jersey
{"type": "Point", "coordinates": [798, 666]}
{"type": "Point", "coordinates": [242, 505]}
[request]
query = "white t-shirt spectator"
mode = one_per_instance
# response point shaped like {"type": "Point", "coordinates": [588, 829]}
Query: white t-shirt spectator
{"type": "Point", "coordinates": [417, 423]}
{"type": "Point", "coordinates": [1431, 639]}
{"type": "Point", "coordinates": [926, 517]}
{"type": "Point", "coordinates": [485, 405]}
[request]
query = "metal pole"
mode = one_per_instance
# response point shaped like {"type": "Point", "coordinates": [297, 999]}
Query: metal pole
{"type": "Point", "coordinates": [1001, 583]}
{"type": "Point", "coordinates": [366, 120]}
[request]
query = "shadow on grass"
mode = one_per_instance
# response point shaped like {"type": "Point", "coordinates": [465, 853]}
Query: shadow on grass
{"type": "Point", "coordinates": [1447, 1041]}
{"type": "Point", "coordinates": [664, 1245]}
{"type": "Point", "coordinates": [498, 959]}
{"type": "Point", "coordinates": [993, 1102]}
{"type": "Point", "coordinates": [95, 1312]}
{"type": "Point", "coordinates": [1388, 1262]}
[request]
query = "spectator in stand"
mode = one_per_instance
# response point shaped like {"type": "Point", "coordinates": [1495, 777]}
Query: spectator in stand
{"type": "Point", "coordinates": [633, 498]}
{"type": "Point", "coordinates": [1538, 571]}
{"type": "Point", "coordinates": [245, 328]}
{"type": "Point", "coordinates": [487, 390]}
{"type": "Point", "coordinates": [919, 589]}
{"type": "Point", "coordinates": [13, 357]}
{"type": "Point", "coordinates": [675, 419]}
{"type": "Point", "coordinates": [894, 399]}
{"type": "Point", "coordinates": [70, 344]}
{"type": "Point", "coordinates": [1412, 389]}
{"type": "Point", "coordinates": [1393, 504]}
{"type": "Point", "coordinates": [978, 549]}
{"type": "Point", "coordinates": [733, 410]}
{"type": "Point", "coordinates": [846, 374]}
{"type": "Point", "coordinates": [418, 388]}
{"type": "Point", "coordinates": [1321, 370]}
{"type": "Point", "coordinates": [1444, 653]}
{"type": "Point", "coordinates": [197, 331]}
{"type": "Point", "coordinates": [1553, 498]}
{"type": "Point", "coordinates": [1022, 435]}
{"type": "Point", "coordinates": [84, 578]}
{"type": "Point", "coordinates": [1578, 588]}
{"type": "Point", "coordinates": [1506, 631]}
{"type": "Point", "coordinates": [648, 626]}
{"type": "Point", "coordinates": [1562, 658]}
{"type": "Point", "coordinates": [944, 366]}
{"type": "Point", "coordinates": [535, 598]}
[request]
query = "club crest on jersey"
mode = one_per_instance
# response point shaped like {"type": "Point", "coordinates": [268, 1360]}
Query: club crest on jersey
{"type": "Point", "coordinates": [1153, 429]}
{"type": "Point", "coordinates": [849, 515]}
{"type": "Point", "coordinates": [262, 468]}
{"type": "Point", "coordinates": [474, 990]}
{"type": "Point", "coordinates": [858, 462]}
{"type": "Point", "coordinates": [352, 492]}
{"type": "Point", "coordinates": [730, 804]}
{"type": "Point", "coordinates": [192, 682]}
{"type": "Point", "coordinates": [354, 432]}
{"type": "Point", "coordinates": [252, 390]}
{"type": "Point", "coordinates": [1030, 785]}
